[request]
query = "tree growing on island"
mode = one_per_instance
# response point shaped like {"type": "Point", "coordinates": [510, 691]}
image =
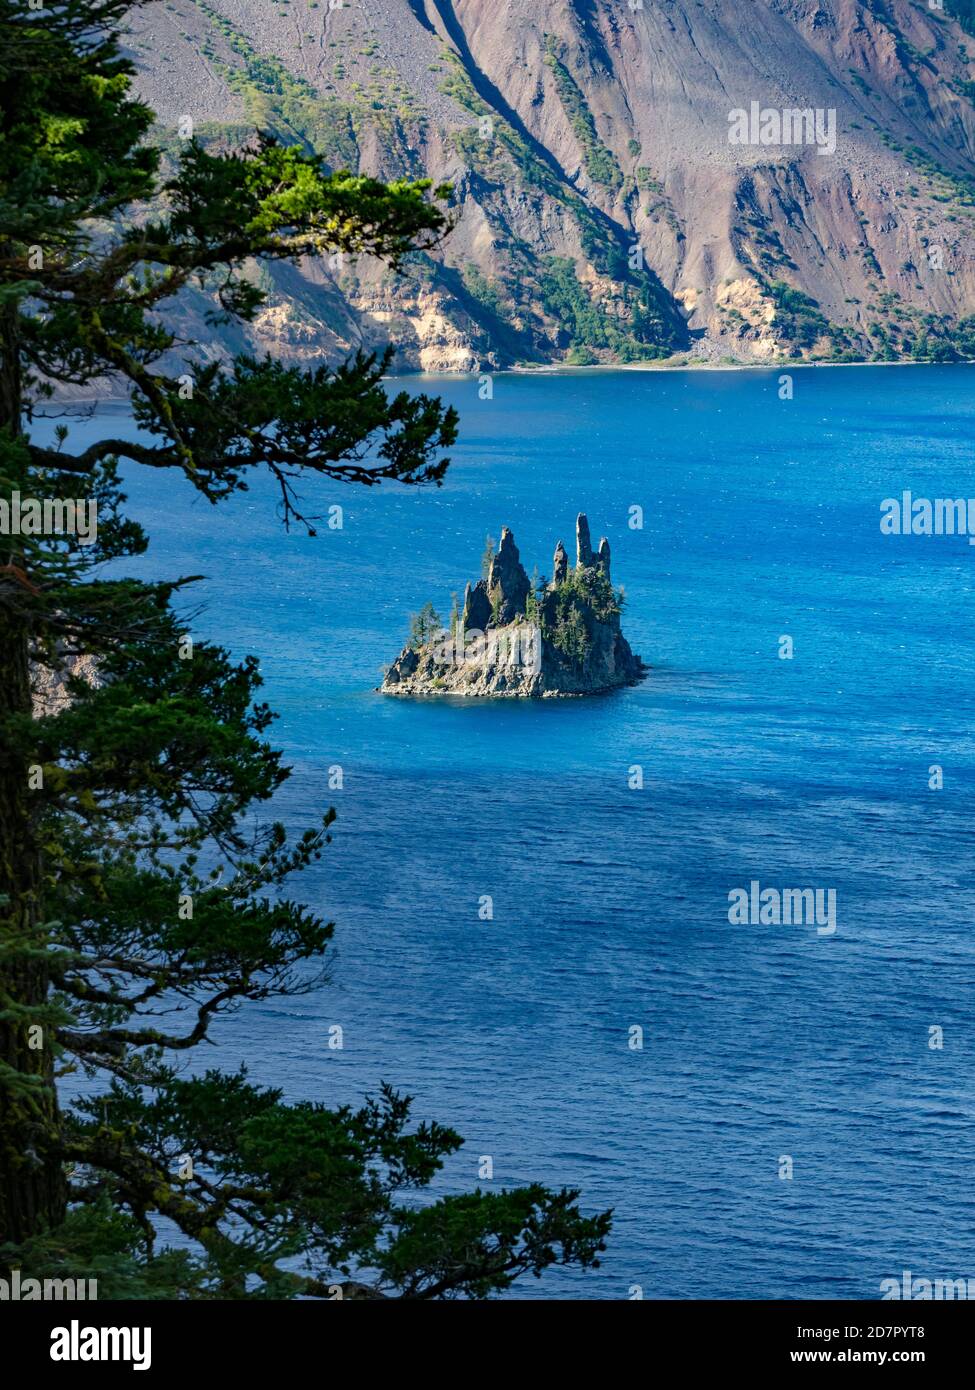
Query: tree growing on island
{"type": "Point", "coordinates": [138, 903]}
{"type": "Point", "coordinates": [425, 626]}
{"type": "Point", "coordinates": [537, 586]}
{"type": "Point", "coordinates": [490, 547]}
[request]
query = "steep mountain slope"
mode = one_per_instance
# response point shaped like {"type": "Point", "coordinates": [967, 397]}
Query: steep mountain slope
{"type": "Point", "coordinates": [602, 211]}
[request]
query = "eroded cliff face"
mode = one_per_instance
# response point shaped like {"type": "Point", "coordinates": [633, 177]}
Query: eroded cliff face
{"type": "Point", "coordinates": [602, 212]}
{"type": "Point", "coordinates": [517, 639]}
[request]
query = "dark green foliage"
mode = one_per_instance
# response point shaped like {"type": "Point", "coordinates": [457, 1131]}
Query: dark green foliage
{"type": "Point", "coordinates": [569, 632]}
{"type": "Point", "coordinates": [567, 617]}
{"type": "Point", "coordinates": [649, 327]}
{"type": "Point", "coordinates": [564, 298]}
{"type": "Point", "coordinates": [798, 319]}
{"type": "Point", "coordinates": [484, 291]}
{"type": "Point", "coordinates": [941, 339]}
{"type": "Point", "coordinates": [501, 1236]}
{"type": "Point", "coordinates": [536, 591]}
{"type": "Point", "coordinates": [587, 326]}
{"type": "Point", "coordinates": [490, 546]}
{"type": "Point", "coordinates": [424, 626]}
{"type": "Point", "coordinates": [600, 161]}
{"type": "Point", "coordinates": [945, 185]}
{"type": "Point", "coordinates": [803, 326]}
{"type": "Point", "coordinates": [646, 180]}
{"type": "Point", "coordinates": [591, 587]}
{"type": "Point", "coordinates": [97, 1241]}
{"type": "Point", "coordinates": [964, 12]}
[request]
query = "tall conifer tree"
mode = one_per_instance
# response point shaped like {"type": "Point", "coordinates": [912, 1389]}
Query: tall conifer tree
{"type": "Point", "coordinates": [119, 948]}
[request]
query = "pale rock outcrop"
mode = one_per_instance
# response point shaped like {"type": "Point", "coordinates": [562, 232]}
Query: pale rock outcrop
{"type": "Point", "coordinates": [603, 556]}
{"type": "Point", "coordinates": [583, 543]}
{"type": "Point", "coordinates": [49, 684]}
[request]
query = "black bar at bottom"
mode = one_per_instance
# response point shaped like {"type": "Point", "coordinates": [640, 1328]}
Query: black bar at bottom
{"type": "Point", "coordinates": [68, 1338]}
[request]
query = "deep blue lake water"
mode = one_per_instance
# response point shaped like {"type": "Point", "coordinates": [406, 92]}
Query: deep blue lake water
{"type": "Point", "coordinates": [761, 519]}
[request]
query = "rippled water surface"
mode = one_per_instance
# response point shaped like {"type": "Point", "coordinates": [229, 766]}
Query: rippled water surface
{"type": "Point", "coordinates": [761, 519]}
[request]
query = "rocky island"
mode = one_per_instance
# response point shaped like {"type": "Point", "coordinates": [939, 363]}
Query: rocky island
{"type": "Point", "coordinates": [522, 638]}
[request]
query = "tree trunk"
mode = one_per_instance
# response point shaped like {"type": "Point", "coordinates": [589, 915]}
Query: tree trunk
{"type": "Point", "coordinates": [32, 1183]}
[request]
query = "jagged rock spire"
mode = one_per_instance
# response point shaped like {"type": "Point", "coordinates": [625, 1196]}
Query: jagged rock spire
{"type": "Point", "coordinates": [508, 584]}
{"type": "Point", "coordinates": [560, 566]}
{"type": "Point", "coordinates": [584, 556]}
{"type": "Point", "coordinates": [604, 555]}
{"type": "Point", "coordinates": [477, 607]}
